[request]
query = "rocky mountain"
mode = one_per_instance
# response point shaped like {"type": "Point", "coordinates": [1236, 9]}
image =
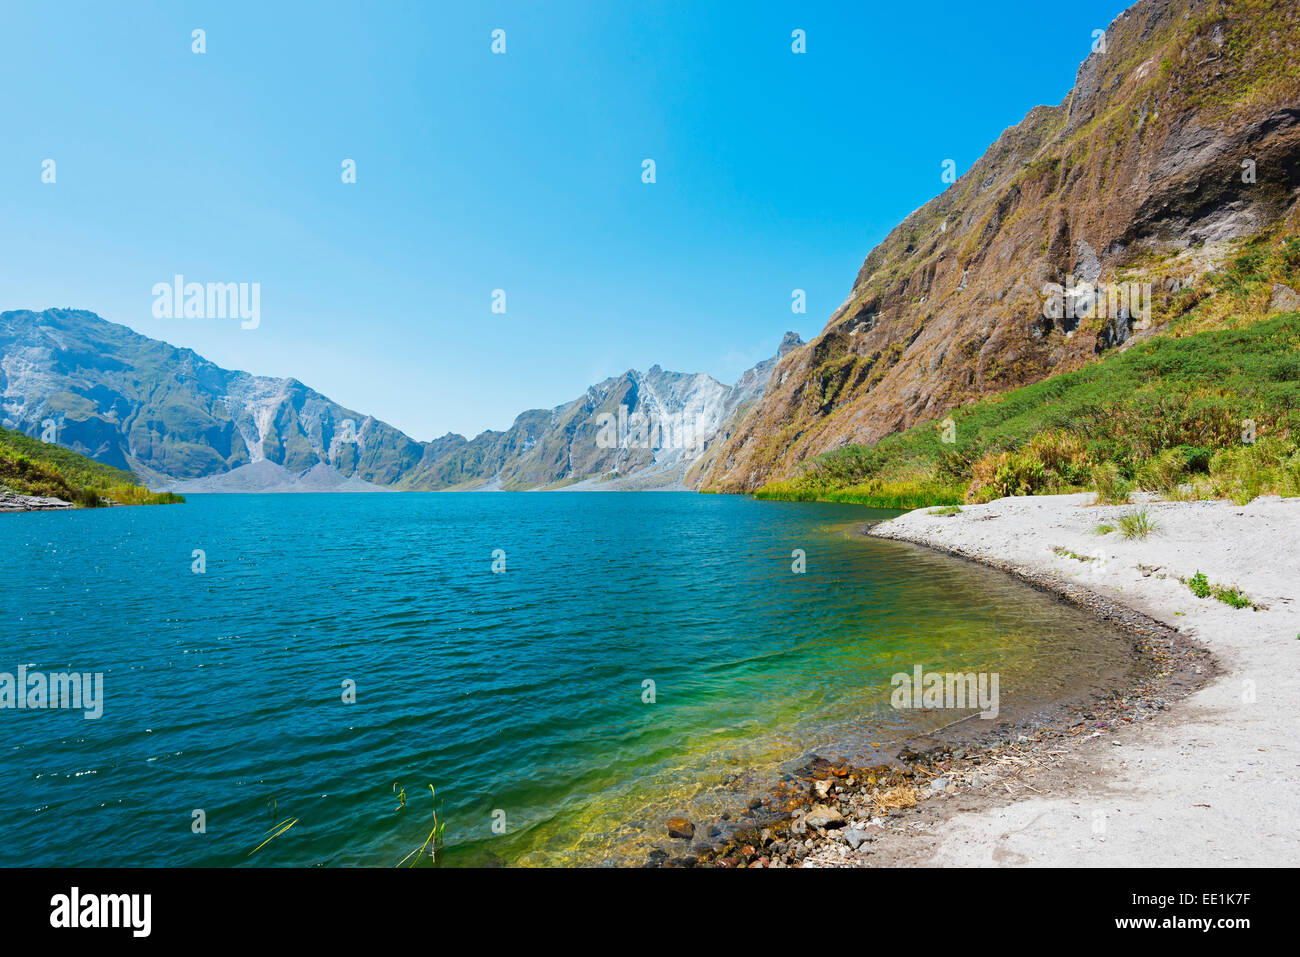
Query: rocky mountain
{"type": "Point", "coordinates": [169, 414]}
{"type": "Point", "coordinates": [1180, 138]}
{"type": "Point", "coordinates": [181, 422]}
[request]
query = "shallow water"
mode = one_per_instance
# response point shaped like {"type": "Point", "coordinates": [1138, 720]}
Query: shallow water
{"type": "Point", "coordinates": [520, 696]}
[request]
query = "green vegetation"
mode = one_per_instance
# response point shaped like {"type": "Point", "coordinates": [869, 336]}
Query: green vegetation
{"type": "Point", "coordinates": [1233, 597]}
{"type": "Point", "coordinates": [275, 830]}
{"type": "Point", "coordinates": [31, 467]}
{"type": "Point", "coordinates": [946, 510]}
{"type": "Point", "coordinates": [1066, 553]}
{"type": "Point", "coordinates": [1111, 487]}
{"type": "Point", "coordinates": [1104, 529]}
{"type": "Point", "coordinates": [1202, 588]}
{"type": "Point", "coordinates": [878, 494]}
{"type": "Point", "coordinates": [1164, 415]}
{"type": "Point", "coordinates": [1136, 524]}
{"type": "Point", "coordinates": [435, 835]}
{"type": "Point", "coordinates": [1210, 408]}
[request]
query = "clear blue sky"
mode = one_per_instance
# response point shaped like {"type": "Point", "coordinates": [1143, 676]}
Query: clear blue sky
{"type": "Point", "coordinates": [477, 171]}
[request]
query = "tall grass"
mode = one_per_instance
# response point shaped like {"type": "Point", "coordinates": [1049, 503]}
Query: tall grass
{"type": "Point", "coordinates": [876, 493]}
{"type": "Point", "coordinates": [1136, 524]}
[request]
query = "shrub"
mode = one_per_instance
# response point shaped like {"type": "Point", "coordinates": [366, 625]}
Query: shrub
{"type": "Point", "coordinates": [1164, 473]}
{"type": "Point", "coordinates": [1051, 461]}
{"type": "Point", "coordinates": [1062, 454]}
{"type": "Point", "coordinates": [1200, 585]}
{"type": "Point", "coordinates": [1231, 596]}
{"type": "Point", "coordinates": [1244, 472]}
{"type": "Point", "coordinates": [1111, 487]}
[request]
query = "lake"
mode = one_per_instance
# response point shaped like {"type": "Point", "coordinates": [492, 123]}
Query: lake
{"type": "Point", "coordinates": [636, 651]}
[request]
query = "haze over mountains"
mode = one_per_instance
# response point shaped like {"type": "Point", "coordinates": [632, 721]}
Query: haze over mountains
{"type": "Point", "coordinates": [183, 423]}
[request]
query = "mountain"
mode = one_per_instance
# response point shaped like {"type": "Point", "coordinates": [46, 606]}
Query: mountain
{"type": "Point", "coordinates": [690, 414]}
{"type": "Point", "coordinates": [184, 423]}
{"type": "Point", "coordinates": [1179, 141]}
{"type": "Point", "coordinates": [166, 413]}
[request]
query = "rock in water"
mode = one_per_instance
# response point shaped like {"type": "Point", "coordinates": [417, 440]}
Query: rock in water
{"type": "Point", "coordinates": [681, 828]}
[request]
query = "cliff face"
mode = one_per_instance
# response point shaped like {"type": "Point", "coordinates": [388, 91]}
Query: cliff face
{"type": "Point", "coordinates": [1181, 135]}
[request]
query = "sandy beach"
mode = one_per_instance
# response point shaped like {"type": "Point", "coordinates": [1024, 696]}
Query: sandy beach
{"type": "Point", "coordinates": [1214, 780]}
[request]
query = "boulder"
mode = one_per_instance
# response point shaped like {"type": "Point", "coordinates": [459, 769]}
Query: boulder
{"type": "Point", "coordinates": [1285, 299]}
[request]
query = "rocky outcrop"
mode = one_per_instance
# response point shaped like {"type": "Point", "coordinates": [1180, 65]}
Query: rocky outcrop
{"type": "Point", "coordinates": [15, 502]}
{"type": "Point", "coordinates": [1182, 135]}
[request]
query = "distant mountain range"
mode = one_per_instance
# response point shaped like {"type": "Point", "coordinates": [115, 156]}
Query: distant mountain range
{"type": "Point", "coordinates": [182, 423]}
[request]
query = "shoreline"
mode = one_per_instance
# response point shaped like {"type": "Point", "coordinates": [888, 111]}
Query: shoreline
{"type": "Point", "coordinates": [17, 502]}
{"type": "Point", "coordinates": [1083, 786]}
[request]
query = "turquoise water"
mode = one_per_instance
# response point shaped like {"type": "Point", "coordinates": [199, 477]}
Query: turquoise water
{"type": "Point", "coordinates": [519, 695]}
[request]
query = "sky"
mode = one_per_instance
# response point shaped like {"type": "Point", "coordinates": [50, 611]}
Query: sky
{"type": "Point", "coordinates": [478, 171]}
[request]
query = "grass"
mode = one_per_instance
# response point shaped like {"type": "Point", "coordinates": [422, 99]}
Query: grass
{"type": "Point", "coordinates": [435, 835]}
{"type": "Point", "coordinates": [898, 495]}
{"type": "Point", "coordinates": [29, 466]}
{"type": "Point", "coordinates": [1136, 524]}
{"type": "Point", "coordinates": [1111, 487]}
{"type": "Point", "coordinates": [946, 510]}
{"type": "Point", "coordinates": [275, 830]}
{"type": "Point", "coordinates": [1104, 529]}
{"type": "Point", "coordinates": [1233, 596]}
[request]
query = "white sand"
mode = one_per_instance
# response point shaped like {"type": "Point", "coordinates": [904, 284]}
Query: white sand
{"type": "Point", "coordinates": [1231, 745]}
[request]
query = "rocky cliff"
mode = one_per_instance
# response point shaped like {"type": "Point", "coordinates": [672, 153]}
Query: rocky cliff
{"type": "Point", "coordinates": [1181, 135]}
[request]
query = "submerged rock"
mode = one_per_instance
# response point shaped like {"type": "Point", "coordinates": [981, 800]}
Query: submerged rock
{"type": "Point", "coordinates": [681, 828]}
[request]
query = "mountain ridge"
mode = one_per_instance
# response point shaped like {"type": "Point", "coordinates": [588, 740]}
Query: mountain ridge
{"type": "Point", "coordinates": [181, 422]}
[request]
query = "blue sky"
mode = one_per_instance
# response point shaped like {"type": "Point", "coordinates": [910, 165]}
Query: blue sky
{"type": "Point", "coordinates": [476, 172]}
